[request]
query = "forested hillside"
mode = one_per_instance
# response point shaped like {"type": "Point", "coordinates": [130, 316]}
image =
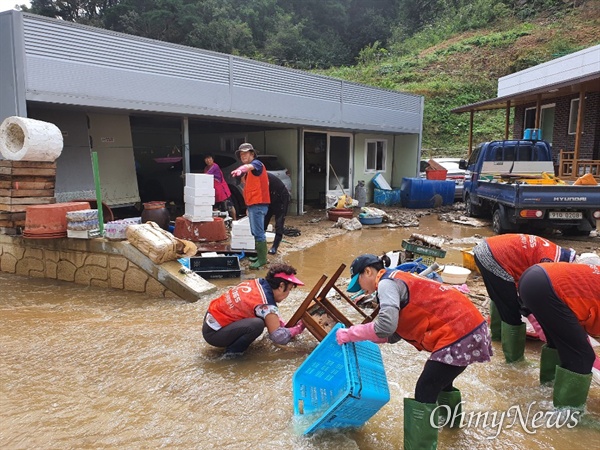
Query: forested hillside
{"type": "Point", "coordinates": [450, 51]}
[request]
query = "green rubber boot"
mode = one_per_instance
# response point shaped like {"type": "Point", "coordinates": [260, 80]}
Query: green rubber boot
{"type": "Point", "coordinates": [495, 323]}
{"type": "Point", "coordinates": [548, 361]}
{"type": "Point", "coordinates": [513, 342]}
{"type": "Point", "coordinates": [452, 399]}
{"type": "Point", "coordinates": [571, 389]}
{"type": "Point", "coordinates": [419, 433]}
{"type": "Point", "coordinates": [261, 252]}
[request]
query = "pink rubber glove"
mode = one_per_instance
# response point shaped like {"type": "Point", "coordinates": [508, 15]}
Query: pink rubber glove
{"type": "Point", "coordinates": [297, 329]}
{"type": "Point", "coordinates": [363, 332]}
{"type": "Point", "coordinates": [240, 171]}
{"type": "Point", "coordinates": [536, 327]}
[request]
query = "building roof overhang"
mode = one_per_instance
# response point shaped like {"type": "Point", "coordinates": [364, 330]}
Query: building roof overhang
{"type": "Point", "coordinates": [588, 83]}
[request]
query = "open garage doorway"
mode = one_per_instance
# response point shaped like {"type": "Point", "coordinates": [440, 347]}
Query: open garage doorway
{"type": "Point", "coordinates": [327, 166]}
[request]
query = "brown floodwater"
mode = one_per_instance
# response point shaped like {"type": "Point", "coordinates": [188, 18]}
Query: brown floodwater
{"type": "Point", "coordinates": [82, 367]}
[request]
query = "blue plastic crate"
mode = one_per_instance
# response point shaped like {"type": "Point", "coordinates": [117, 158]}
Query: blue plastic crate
{"type": "Point", "coordinates": [388, 197]}
{"type": "Point", "coordinates": [341, 386]}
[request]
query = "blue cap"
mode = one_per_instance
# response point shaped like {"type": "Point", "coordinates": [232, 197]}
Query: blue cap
{"type": "Point", "coordinates": [359, 264]}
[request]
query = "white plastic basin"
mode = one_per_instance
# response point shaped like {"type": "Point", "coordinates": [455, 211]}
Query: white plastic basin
{"type": "Point", "coordinates": [455, 274]}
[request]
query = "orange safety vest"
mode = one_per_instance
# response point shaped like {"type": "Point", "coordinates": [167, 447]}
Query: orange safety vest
{"type": "Point", "coordinates": [515, 253]}
{"type": "Point", "coordinates": [256, 190]}
{"type": "Point", "coordinates": [436, 315]}
{"type": "Point", "coordinates": [578, 286]}
{"type": "Point", "coordinates": [238, 302]}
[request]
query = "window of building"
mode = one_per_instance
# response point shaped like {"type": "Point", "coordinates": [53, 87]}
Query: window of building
{"type": "Point", "coordinates": [573, 114]}
{"type": "Point", "coordinates": [375, 156]}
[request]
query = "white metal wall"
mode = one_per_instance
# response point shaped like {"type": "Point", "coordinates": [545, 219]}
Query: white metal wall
{"type": "Point", "coordinates": [80, 65]}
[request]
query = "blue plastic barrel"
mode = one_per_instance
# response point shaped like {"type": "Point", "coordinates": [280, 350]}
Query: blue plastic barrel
{"type": "Point", "coordinates": [421, 193]}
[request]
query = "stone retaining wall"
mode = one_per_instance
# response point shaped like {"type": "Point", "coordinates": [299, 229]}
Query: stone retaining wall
{"type": "Point", "coordinates": [95, 262]}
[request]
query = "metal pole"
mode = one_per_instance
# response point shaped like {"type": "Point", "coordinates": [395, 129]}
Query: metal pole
{"type": "Point", "coordinates": [98, 192]}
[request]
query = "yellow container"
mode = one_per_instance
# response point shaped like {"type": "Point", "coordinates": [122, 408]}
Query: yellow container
{"type": "Point", "coordinates": [469, 260]}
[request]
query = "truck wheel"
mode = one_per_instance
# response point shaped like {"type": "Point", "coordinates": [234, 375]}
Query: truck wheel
{"type": "Point", "coordinates": [499, 222]}
{"type": "Point", "coordinates": [471, 209]}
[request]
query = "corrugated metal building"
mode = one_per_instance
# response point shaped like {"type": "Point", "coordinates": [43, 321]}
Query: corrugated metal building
{"type": "Point", "coordinates": [135, 100]}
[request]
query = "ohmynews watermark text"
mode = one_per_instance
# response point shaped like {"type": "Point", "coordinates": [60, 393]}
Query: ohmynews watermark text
{"type": "Point", "coordinates": [530, 420]}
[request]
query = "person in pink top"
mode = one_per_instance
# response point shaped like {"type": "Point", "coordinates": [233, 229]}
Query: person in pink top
{"type": "Point", "coordinates": [222, 191]}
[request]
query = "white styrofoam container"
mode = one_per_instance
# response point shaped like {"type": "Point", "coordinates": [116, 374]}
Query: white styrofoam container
{"type": "Point", "coordinates": [199, 201]}
{"type": "Point", "coordinates": [240, 228]}
{"type": "Point", "coordinates": [204, 212]}
{"type": "Point", "coordinates": [199, 180]}
{"type": "Point", "coordinates": [202, 191]}
{"type": "Point", "coordinates": [242, 243]}
{"type": "Point", "coordinates": [197, 219]}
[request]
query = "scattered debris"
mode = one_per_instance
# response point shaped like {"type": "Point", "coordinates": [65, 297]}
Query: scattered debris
{"type": "Point", "coordinates": [348, 224]}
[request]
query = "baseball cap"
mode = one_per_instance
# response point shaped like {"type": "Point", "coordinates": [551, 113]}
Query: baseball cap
{"type": "Point", "coordinates": [246, 147]}
{"type": "Point", "coordinates": [359, 264]}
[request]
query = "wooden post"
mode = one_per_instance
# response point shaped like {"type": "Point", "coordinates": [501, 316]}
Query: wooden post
{"type": "Point", "coordinates": [579, 130]}
{"type": "Point", "coordinates": [506, 119]}
{"type": "Point", "coordinates": [471, 132]}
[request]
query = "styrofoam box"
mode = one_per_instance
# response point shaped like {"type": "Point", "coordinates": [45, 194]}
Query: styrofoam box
{"type": "Point", "coordinates": [202, 191]}
{"type": "Point", "coordinates": [242, 243]}
{"type": "Point", "coordinates": [198, 219]}
{"type": "Point", "coordinates": [199, 180]}
{"type": "Point", "coordinates": [199, 201]}
{"type": "Point", "coordinates": [241, 227]}
{"type": "Point", "coordinates": [202, 211]}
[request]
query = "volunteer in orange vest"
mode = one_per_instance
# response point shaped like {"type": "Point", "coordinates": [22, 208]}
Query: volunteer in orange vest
{"type": "Point", "coordinates": [238, 317]}
{"type": "Point", "coordinates": [257, 198]}
{"type": "Point", "coordinates": [565, 299]}
{"type": "Point", "coordinates": [501, 260]}
{"type": "Point", "coordinates": [430, 316]}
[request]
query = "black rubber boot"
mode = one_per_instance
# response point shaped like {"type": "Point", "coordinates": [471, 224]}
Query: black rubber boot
{"type": "Point", "coordinates": [275, 246]}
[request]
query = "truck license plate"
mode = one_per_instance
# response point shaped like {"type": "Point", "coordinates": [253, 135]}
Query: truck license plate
{"type": "Point", "coordinates": [565, 215]}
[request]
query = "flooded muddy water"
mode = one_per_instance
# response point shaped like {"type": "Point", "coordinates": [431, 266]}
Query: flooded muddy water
{"type": "Point", "coordinates": [82, 367]}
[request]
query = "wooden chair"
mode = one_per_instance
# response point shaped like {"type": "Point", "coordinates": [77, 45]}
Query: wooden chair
{"type": "Point", "coordinates": [318, 312]}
